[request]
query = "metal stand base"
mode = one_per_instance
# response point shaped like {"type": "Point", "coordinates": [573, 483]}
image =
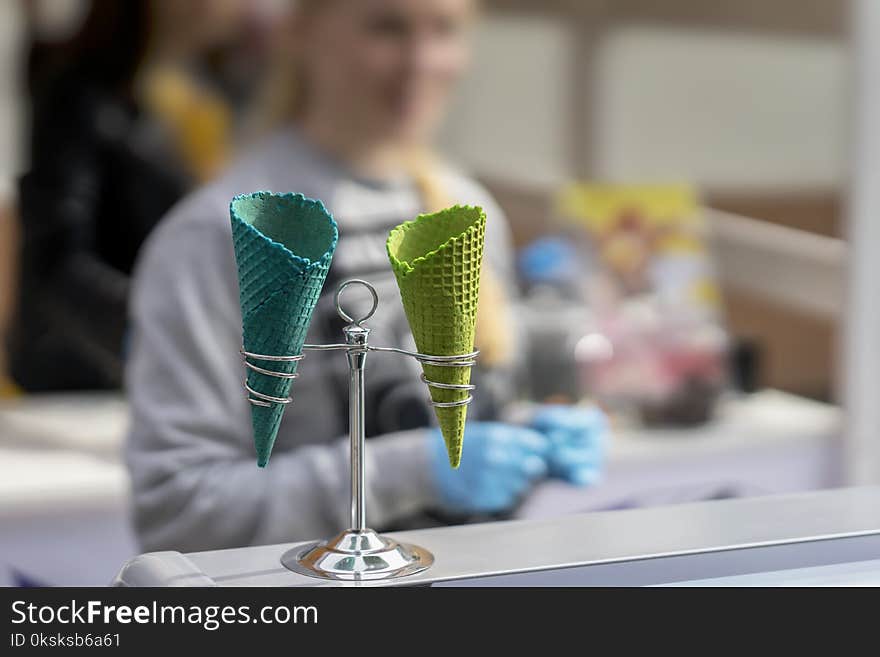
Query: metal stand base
{"type": "Point", "coordinates": [357, 556]}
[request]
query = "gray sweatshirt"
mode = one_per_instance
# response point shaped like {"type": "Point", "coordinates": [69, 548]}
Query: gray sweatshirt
{"type": "Point", "coordinates": [190, 452]}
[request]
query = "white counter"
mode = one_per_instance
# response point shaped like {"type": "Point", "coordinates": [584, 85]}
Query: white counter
{"type": "Point", "coordinates": [768, 539]}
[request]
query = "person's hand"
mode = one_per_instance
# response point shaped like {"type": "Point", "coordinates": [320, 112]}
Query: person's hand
{"type": "Point", "coordinates": [577, 438]}
{"type": "Point", "coordinates": [499, 464]}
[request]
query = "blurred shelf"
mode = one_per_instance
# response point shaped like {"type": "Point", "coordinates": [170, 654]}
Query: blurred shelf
{"type": "Point", "coordinates": [67, 486]}
{"type": "Point", "coordinates": [52, 482]}
{"type": "Point", "coordinates": [765, 420]}
{"type": "Point", "coordinates": [62, 451]}
{"type": "Point", "coordinates": [66, 449]}
{"type": "Point", "coordinates": [88, 422]}
{"type": "Point", "coordinates": [792, 267]}
{"type": "Point", "coordinates": [767, 443]}
{"type": "Point", "coordinates": [64, 491]}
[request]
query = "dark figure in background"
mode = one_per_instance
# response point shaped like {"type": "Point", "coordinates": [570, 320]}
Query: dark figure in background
{"type": "Point", "coordinates": [122, 126]}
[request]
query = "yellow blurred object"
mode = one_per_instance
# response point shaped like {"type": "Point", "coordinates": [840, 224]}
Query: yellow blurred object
{"type": "Point", "coordinates": [634, 227]}
{"type": "Point", "coordinates": [199, 121]}
{"type": "Point", "coordinates": [493, 334]}
{"type": "Point", "coordinates": [9, 389]}
{"type": "Point", "coordinates": [680, 242]}
{"type": "Point", "coordinates": [625, 253]}
{"type": "Point", "coordinates": [9, 253]}
{"type": "Point", "coordinates": [600, 205]}
{"type": "Point", "coordinates": [706, 292]}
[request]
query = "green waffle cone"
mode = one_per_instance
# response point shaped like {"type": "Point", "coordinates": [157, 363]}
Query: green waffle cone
{"type": "Point", "coordinates": [436, 260]}
{"type": "Point", "coordinates": [283, 247]}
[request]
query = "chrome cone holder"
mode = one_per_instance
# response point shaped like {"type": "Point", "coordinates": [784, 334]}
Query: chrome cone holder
{"type": "Point", "coordinates": [358, 553]}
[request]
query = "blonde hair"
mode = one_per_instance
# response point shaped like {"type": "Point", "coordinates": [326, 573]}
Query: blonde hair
{"type": "Point", "coordinates": [493, 336]}
{"type": "Point", "coordinates": [284, 100]}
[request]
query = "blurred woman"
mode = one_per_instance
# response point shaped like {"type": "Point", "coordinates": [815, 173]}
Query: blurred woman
{"type": "Point", "coordinates": [370, 80]}
{"type": "Point", "coordinates": [122, 126]}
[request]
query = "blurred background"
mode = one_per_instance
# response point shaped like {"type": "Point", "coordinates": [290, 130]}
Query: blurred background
{"type": "Point", "coordinates": [688, 187]}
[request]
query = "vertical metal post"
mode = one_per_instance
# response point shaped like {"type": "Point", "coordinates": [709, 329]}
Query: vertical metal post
{"type": "Point", "coordinates": [357, 336]}
{"type": "Point", "coordinates": [357, 553]}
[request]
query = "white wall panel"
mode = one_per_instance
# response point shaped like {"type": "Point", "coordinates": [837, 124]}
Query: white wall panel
{"type": "Point", "coordinates": [724, 109]}
{"type": "Point", "coordinates": [510, 119]}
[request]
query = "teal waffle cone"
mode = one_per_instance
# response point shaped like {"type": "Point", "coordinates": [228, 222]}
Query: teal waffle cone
{"type": "Point", "coordinates": [437, 260]}
{"type": "Point", "coordinates": [283, 247]}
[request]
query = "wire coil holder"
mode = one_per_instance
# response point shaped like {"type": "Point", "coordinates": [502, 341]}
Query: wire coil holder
{"type": "Point", "coordinates": [358, 553]}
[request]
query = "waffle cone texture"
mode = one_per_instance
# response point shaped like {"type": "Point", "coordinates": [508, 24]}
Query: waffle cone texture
{"type": "Point", "coordinates": [283, 247]}
{"type": "Point", "coordinates": [436, 260]}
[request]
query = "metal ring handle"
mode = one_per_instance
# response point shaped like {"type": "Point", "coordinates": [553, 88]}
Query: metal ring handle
{"type": "Point", "coordinates": [344, 315]}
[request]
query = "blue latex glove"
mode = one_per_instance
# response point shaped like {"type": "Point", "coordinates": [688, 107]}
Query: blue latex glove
{"type": "Point", "coordinates": [499, 464]}
{"type": "Point", "coordinates": [578, 436]}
